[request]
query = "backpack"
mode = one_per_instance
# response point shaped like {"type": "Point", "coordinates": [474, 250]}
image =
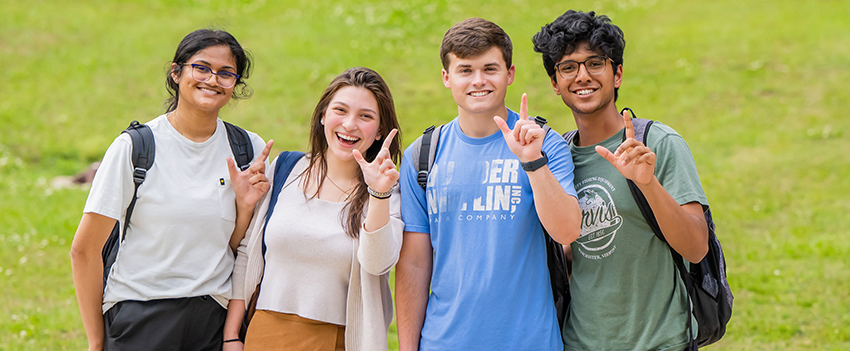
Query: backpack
{"type": "Point", "coordinates": [424, 152]}
{"type": "Point", "coordinates": [144, 151]}
{"type": "Point", "coordinates": [709, 295]}
{"type": "Point", "coordinates": [285, 162]}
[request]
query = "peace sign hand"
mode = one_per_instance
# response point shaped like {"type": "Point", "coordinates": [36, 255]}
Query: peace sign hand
{"type": "Point", "coordinates": [380, 174]}
{"type": "Point", "coordinates": [526, 139]}
{"type": "Point", "coordinates": [633, 159]}
{"type": "Point", "coordinates": [251, 184]}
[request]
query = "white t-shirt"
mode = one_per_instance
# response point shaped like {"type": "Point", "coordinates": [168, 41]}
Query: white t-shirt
{"type": "Point", "coordinates": [177, 244]}
{"type": "Point", "coordinates": [308, 255]}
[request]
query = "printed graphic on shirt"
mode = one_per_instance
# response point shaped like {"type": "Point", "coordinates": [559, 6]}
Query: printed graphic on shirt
{"type": "Point", "coordinates": [599, 218]}
{"type": "Point", "coordinates": [496, 198]}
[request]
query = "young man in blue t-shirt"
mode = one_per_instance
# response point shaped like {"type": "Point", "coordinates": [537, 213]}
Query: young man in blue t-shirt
{"type": "Point", "coordinates": [474, 235]}
{"type": "Point", "coordinates": [626, 292]}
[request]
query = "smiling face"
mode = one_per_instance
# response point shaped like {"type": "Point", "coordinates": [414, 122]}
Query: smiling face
{"type": "Point", "coordinates": [351, 121]}
{"type": "Point", "coordinates": [479, 83]}
{"type": "Point", "coordinates": [206, 96]}
{"type": "Point", "coordinates": [588, 94]}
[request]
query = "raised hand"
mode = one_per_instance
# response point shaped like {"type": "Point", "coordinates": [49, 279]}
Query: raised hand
{"type": "Point", "coordinates": [251, 184]}
{"type": "Point", "coordinates": [380, 174]}
{"type": "Point", "coordinates": [633, 159]}
{"type": "Point", "coordinates": [526, 139]}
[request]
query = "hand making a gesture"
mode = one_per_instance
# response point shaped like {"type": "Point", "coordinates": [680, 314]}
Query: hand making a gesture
{"type": "Point", "coordinates": [251, 184]}
{"type": "Point", "coordinates": [526, 139]}
{"type": "Point", "coordinates": [380, 174]}
{"type": "Point", "coordinates": [633, 159]}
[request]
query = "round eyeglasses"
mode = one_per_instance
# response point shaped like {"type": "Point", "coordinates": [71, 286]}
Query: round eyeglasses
{"type": "Point", "coordinates": [203, 73]}
{"type": "Point", "coordinates": [593, 65]}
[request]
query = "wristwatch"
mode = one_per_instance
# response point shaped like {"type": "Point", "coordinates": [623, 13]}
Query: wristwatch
{"type": "Point", "coordinates": [536, 164]}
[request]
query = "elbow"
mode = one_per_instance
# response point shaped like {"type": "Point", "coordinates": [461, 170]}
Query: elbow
{"type": "Point", "coordinates": [698, 254]}
{"type": "Point", "coordinates": [566, 236]}
{"type": "Point", "coordinates": [79, 254]}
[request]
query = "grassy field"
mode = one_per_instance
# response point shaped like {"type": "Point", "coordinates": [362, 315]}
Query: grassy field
{"type": "Point", "coordinates": [755, 87]}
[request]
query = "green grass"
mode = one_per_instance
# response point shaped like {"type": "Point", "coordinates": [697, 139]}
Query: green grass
{"type": "Point", "coordinates": [756, 88]}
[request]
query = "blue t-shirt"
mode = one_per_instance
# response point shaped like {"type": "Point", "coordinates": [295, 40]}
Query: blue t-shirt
{"type": "Point", "coordinates": [490, 285]}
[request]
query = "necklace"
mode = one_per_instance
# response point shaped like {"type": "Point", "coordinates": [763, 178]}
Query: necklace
{"type": "Point", "coordinates": [347, 193]}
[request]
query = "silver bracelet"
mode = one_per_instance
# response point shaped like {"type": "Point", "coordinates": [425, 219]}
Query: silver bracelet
{"type": "Point", "coordinates": [381, 196]}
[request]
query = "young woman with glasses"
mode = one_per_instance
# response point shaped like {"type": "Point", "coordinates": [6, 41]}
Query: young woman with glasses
{"type": "Point", "coordinates": [322, 266]}
{"type": "Point", "coordinates": [170, 284]}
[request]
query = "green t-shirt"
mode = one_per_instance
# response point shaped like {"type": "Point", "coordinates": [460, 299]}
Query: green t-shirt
{"type": "Point", "coordinates": [626, 293]}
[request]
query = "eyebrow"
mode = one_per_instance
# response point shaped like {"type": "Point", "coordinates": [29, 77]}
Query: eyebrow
{"type": "Point", "coordinates": [346, 105]}
{"type": "Point", "coordinates": [209, 64]}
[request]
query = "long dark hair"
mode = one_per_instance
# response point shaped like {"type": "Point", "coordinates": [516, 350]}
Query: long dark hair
{"type": "Point", "coordinates": [361, 77]}
{"type": "Point", "coordinates": [197, 41]}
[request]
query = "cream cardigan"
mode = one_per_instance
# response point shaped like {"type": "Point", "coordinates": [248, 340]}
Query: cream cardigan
{"type": "Point", "coordinates": [369, 309]}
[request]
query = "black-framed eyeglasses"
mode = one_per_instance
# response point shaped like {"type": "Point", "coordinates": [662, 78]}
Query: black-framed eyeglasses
{"type": "Point", "coordinates": [203, 73]}
{"type": "Point", "coordinates": [594, 65]}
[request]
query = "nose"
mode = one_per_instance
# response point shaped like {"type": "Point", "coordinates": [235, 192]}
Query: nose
{"type": "Point", "coordinates": [582, 75]}
{"type": "Point", "coordinates": [349, 122]}
{"type": "Point", "coordinates": [478, 78]}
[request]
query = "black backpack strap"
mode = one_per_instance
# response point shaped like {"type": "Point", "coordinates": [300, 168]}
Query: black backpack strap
{"type": "Point", "coordinates": [142, 157]}
{"type": "Point", "coordinates": [424, 152]}
{"type": "Point", "coordinates": [144, 151]}
{"type": "Point", "coordinates": [240, 145]}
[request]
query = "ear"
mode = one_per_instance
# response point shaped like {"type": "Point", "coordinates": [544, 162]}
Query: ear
{"type": "Point", "coordinates": [511, 73]}
{"type": "Point", "coordinates": [618, 76]}
{"type": "Point", "coordinates": [174, 76]}
{"type": "Point", "coordinates": [446, 79]}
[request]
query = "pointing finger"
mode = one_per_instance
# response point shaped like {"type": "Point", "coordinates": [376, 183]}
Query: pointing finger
{"type": "Point", "coordinates": [388, 140]}
{"type": "Point", "coordinates": [523, 107]}
{"type": "Point", "coordinates": [630, 128]}
{"type": "Point", "coordinates": [266, 150]}
{"type": "Point", "coordinates": [231, 168]}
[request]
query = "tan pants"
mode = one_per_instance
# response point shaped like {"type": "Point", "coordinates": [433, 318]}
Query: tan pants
{"type": "Point", "coordinates": [282, 331]}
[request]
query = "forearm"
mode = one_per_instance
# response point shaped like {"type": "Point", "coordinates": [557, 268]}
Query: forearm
{"type": "Point", "coordinates": [244, 215]}
{"type": "Point", "coordinates": [88, 283]}
{"type": "Point", "coordinates": [233, 321]}
{"type": "Point", "coordinates": [683, 226]}
{"type": "Point", "coordinates": [378, 214]}
{"type": "Point", "coordinates": [412, 284]}
{"type": "Point", "coordinates": [558, 211]}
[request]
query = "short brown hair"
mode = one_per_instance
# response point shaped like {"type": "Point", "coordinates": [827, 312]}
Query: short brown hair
{"type": "Point", "coordinates": [472, 37]}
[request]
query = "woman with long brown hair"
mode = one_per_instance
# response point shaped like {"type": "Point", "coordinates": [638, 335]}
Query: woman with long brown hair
{"type": "Point", "coordinates": [335, 233]}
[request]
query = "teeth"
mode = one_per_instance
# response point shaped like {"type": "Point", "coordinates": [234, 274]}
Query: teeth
{"type": "Point", "coordinates": [209, 90]}
{"type": "Point", "coordinates": [479, 94]}
{"type": "Point", "coordinates": [347, 138]}
{"type": "Point", "coordinates": [584, 92]}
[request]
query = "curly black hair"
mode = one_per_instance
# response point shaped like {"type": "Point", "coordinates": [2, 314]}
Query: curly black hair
{"type": "Point", "coordinates": [563, 36]}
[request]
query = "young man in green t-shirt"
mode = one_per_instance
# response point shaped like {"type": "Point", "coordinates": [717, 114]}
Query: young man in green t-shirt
{"type": "Point", "coordinates": [626, 292]}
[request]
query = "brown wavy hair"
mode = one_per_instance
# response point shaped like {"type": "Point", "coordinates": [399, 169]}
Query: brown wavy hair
{"type": "Point", "coordinates": [361, 77]}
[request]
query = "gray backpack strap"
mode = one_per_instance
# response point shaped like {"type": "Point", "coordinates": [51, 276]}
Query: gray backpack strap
{"type": "Point", "coordinates": [641, 129]}
{"type": "Point", "coordinates": [424, 151]}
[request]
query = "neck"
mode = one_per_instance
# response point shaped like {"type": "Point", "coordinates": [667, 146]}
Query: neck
{"type": "Point", "coordinates": [596, 127]}
{"type": "Point", "coordinates": [341, 171]}
{"type": "Point", "coordinates": [480, 125]}
{"type": "Point", "coordinates": [197, 126]}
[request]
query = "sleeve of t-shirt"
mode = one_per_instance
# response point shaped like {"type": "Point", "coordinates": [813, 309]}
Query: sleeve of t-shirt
{"type": "Point", "coordinates": [560, 161]}
{"type": "Point", "coordinates": [414, 206]}
{"type": "Point", "coordinates": [675, 167]}
{"type": "Point", "coordinates": [112, 187]}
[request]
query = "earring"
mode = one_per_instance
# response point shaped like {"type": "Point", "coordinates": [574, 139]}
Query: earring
{"type": "Point", "coordinates": [322, 121]}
